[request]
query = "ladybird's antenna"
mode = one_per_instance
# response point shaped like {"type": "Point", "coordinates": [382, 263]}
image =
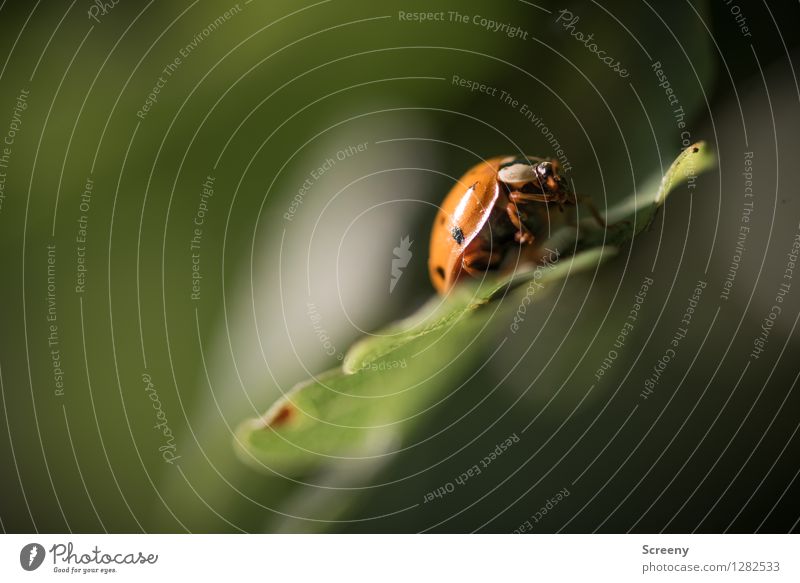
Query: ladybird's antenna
{"type": "Point", "coordinates": [589, 203]}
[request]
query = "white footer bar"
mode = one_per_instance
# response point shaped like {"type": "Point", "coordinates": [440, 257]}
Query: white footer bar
{"type": "Point", "coordinates": [401, 558]}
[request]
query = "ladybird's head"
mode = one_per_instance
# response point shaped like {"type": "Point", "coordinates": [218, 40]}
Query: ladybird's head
{"type": "Point", "coordinates": [545, 170]}
{"type": "Point", "coordinates": [548, 177]}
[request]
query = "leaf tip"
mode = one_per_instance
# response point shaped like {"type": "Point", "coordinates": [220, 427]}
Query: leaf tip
{"type": "Point", "coordinates": [280, 416]}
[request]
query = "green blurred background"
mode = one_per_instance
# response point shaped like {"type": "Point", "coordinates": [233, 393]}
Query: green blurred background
{"type": "Point", "coordinates": [360, 105]}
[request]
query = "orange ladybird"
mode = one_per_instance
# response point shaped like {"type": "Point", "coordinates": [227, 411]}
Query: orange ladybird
{"type": "Point", "coordinates": [501, 204]}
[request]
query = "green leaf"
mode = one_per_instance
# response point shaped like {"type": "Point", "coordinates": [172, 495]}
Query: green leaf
{"type": "Point", "coordinates": [392, 379]}
{"type": "Point", "coordinates": [636, 213]}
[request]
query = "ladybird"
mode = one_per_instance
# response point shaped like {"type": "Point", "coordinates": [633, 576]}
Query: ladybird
{"type": "Point", "coordinates": [499, 205]}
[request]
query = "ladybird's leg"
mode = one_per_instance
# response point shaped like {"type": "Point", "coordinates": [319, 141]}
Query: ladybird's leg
{"type": "Point", "coordinates": [523, 236]}
{"type": "Point", "coordinates": [593, 210]}
{"type": "Point", "coordinates": [522, 197]}
{"type": "Point", "coordinates": [478, 260]}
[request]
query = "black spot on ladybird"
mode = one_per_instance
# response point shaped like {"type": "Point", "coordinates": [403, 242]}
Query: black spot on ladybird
{"type": "Point", "coordinates": [695, 150]}
{"type": "Point", "coordinates": [458, 234]}
{"type": "Point", "coordinates": [441, 220]}
{"type": "Point", "coordinates": [440, 271]}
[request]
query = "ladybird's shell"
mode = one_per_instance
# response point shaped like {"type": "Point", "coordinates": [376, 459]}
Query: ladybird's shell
{"type": "Point", "coordinates": [466, 207]}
